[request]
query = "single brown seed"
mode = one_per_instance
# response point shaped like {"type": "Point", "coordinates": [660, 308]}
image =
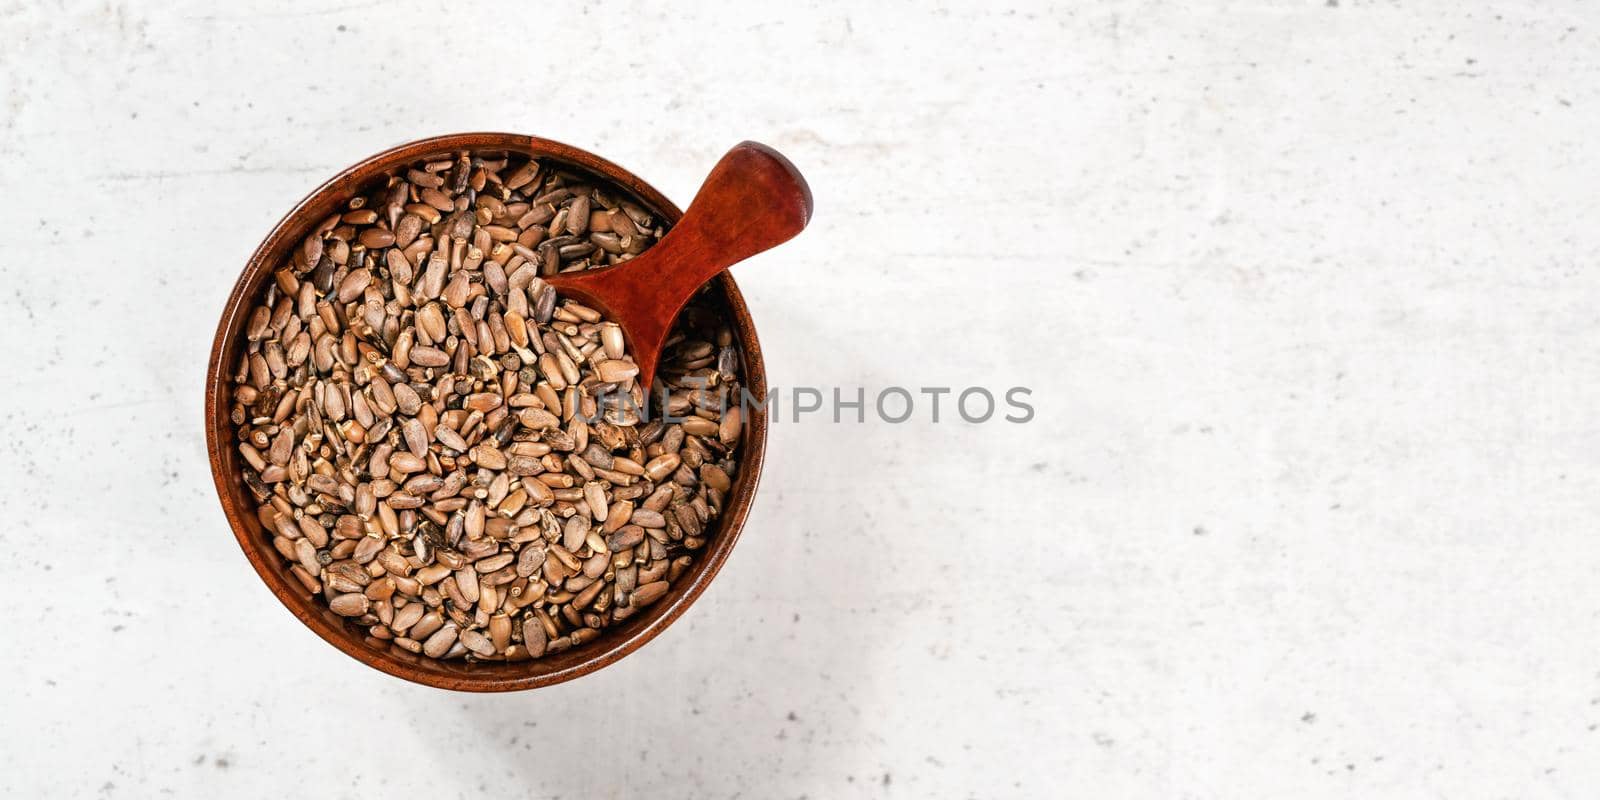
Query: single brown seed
{"type": "Point", "coordinates": [441, 641]}
{"type": "Point", "coordinates": [587, 596]}
{"type": "Point", "coordinates": [477, 642]}
{"type": "Point", "coordinates": [405, 463]}
{"type": "Point", "coordinates": [312, 530]}
{"type": "Point", "coordinates": [405, 232]}
{"type": "Point", "coordinates": [647, 593]}
{"type": "Point", "coordinates": [448, 437]}
{"type": "Point", "coordinates": [616, 370]}
{"type": "Point", "coordinates": [573, 533]}
{"type": "Point", "coordinates": [489, 457]}
{"type": "Point", "coordinates": [406, 399]}
{"type": "Point", "coordinates": [649, 518]}
{"type": "Point", "coordinates": [611, 338]}
{"type": "Point", "coordinates": [538, 418]}
{"type": "Point", "coordinates": [529, 560]}
{"type": "Point", "coordinates": [578, 215]}
{"type": "Point", "coordinates": [564, 557]}
{"type": "Point", "coordinates": [381, 589]}
{"type": "Point", "coordinates": [306, 579]}
{"type": "Point", "coordinates": [729, 429]}
{"type": "Point", "coordinates": [430, 320]}
{"type": "Point", "coordinates": [500, 632]}
{"type": "Point", "coordinates": [377, 238]}
{"type": "Point", "coordinates": [311, 250]}
{"type": "Point", "coordinates": [428, 356]}
{"type": "Point", "coordinates": [595, 495]}
{"type": "Point", "coordinates": [661, 466]}
{"type": "Point", "coordinates": [628, 536]}
{"type": "Point", "coordinates": [699, 426]}
{"type": "Point", "coordinates": [534, 636]}
{"type": "Point", "coordinates": [715, 477]}
{"type": "Point", "coordinates": [482, 401]}
{"type": "Point", "coordinates": [366, 549]}
{"type": "Point", "coordinates": [406, 616]}
{"type": "Point", "coordinates": [432, 574]}
{"type": "Point", "coordinates": [437, 199]}
{"type": "Point", "coordinates": [495, 562]}
{"type": "Point", "coordinates": [349, 605]}
{"type": "Point", "coordinates": [427, 625]}
{"type": "Point", "coordinates": [353, 285]}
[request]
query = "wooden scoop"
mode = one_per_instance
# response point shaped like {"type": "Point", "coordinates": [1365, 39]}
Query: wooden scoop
{"type": "Point", "coordinates": [752, 201]}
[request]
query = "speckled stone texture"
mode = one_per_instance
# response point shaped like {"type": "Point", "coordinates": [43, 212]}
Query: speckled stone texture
{"type": "Point", "coordinates": [1305, 293]}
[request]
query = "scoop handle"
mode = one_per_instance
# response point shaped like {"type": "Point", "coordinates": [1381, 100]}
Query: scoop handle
{"type": "Point", "coordinates": [753, 200]}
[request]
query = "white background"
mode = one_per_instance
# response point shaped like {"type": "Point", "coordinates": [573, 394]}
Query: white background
{"type": "Point", "coordinates": [1305, 293]}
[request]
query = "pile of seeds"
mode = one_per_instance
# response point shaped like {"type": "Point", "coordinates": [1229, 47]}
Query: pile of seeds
{"type": "Point", "coordinates": [451, 455]}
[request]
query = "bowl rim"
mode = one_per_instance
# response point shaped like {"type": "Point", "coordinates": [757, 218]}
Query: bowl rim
{"type": "Point", "coordinates": [612, 645]}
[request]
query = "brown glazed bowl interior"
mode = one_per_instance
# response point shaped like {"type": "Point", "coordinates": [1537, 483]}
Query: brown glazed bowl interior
{"type": "Point", "coordinates": [614, 642]}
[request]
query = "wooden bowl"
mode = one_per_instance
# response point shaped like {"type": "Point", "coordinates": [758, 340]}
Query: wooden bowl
{"type": "Point", "coordinates": [616, 641]}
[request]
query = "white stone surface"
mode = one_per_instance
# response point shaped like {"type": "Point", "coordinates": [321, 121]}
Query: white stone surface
{"type": "Point", "coordinates": [1305, 294]}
